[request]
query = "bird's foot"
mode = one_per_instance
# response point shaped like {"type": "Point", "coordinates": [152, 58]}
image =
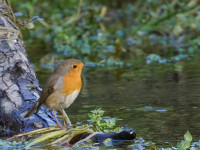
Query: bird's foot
{"type": "Point", "coordinates": [68, 126]}
{"type": "Point", "coordinates": [58, 126]}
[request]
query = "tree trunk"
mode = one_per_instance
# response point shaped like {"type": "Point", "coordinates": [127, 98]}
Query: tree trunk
{"type": "Point", "coordinates": [19, 87]}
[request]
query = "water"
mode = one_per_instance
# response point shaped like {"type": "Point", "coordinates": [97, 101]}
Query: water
{"type": "Point", "coordinates": [160, 102]}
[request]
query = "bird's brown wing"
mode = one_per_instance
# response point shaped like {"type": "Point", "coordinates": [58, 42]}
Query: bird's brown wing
{"type": "Point", "coordinates": [48, 89]}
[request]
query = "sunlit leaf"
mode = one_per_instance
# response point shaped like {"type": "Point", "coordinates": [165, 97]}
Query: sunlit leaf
{"type": "Point", "coordinates": [188, 136]}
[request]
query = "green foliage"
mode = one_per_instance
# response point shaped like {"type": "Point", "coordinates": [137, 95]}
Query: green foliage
{"type": "Point", "coordinates": [88, 30]}
{"type": "Point", "coordinates": [99, 123]}
{"type": "Point", "coordinates": [151, 58]}
{"type": "Point", "coordinates": [183, 145]}
{"type": "Point", "coordinates": [186, 142]}
{"type": "Point", "coordinates": [12, 145]}
{"type": "Point", "coordinates": [77, 33]}
{"type": "Point", "coordinates": [26, 21]}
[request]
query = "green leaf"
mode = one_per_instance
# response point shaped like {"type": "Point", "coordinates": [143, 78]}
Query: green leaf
{"type": "Point", "coordinates": [30, 25]}
{"type": "Point", "coordinates": [186, 142]}
{"type": "Point", "coordinates": [100, 112]}
{"type": "Point", "coordinates": [188, 136]}
{"type": "Point", "coordinates": [107, 140]}
{"type": "Point", "coordinates": [99, 123]}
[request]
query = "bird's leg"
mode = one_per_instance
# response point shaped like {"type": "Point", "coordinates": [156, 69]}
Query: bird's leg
{"type": "Point", "coordinates": [56, 118]}
{"type": "Point", "coordinates": [64, 124]}
{"type": "Point", "coordinates": [65, 118]}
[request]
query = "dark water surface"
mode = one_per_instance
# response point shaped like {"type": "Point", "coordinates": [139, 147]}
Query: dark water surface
{"type": "Point", "coordinates": [159, 102]}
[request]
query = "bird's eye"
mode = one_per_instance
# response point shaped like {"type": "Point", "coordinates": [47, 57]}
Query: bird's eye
{"type": "Point", "coordinates": [74, 66]}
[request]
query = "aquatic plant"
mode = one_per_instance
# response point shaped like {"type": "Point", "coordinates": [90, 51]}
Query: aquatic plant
{"type": "Point", "coordinates": [97, 31]}
{"type": "Point", "coordinates": [55, 135]}
{"type": "Point", "coordinates": [99, 124]}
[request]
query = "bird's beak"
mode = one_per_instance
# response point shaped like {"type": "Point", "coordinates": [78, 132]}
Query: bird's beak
{"type": "Point", "coordinates": [85, 66]}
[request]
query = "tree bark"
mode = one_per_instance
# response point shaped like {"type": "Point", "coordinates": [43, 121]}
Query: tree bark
{"type": "Point", "coordinates": [19, 87]}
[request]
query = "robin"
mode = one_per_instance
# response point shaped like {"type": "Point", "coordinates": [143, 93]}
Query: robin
{"type": "Point", "coordinates": [61, 89]}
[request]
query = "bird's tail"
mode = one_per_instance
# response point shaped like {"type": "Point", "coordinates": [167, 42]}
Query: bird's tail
{"type": "Point", "coordinates": [32, 110]}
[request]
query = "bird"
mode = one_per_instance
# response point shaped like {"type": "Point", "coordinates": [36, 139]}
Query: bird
{"type": "Point", "coordinates": [61, 89]}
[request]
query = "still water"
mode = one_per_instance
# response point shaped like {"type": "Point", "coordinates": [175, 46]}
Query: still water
{"type": "Point", "coordinates": [160, 102]}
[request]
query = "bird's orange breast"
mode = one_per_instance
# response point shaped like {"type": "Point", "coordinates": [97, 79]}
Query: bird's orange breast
{"type": "Point", "coordinates": [71, 83]}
